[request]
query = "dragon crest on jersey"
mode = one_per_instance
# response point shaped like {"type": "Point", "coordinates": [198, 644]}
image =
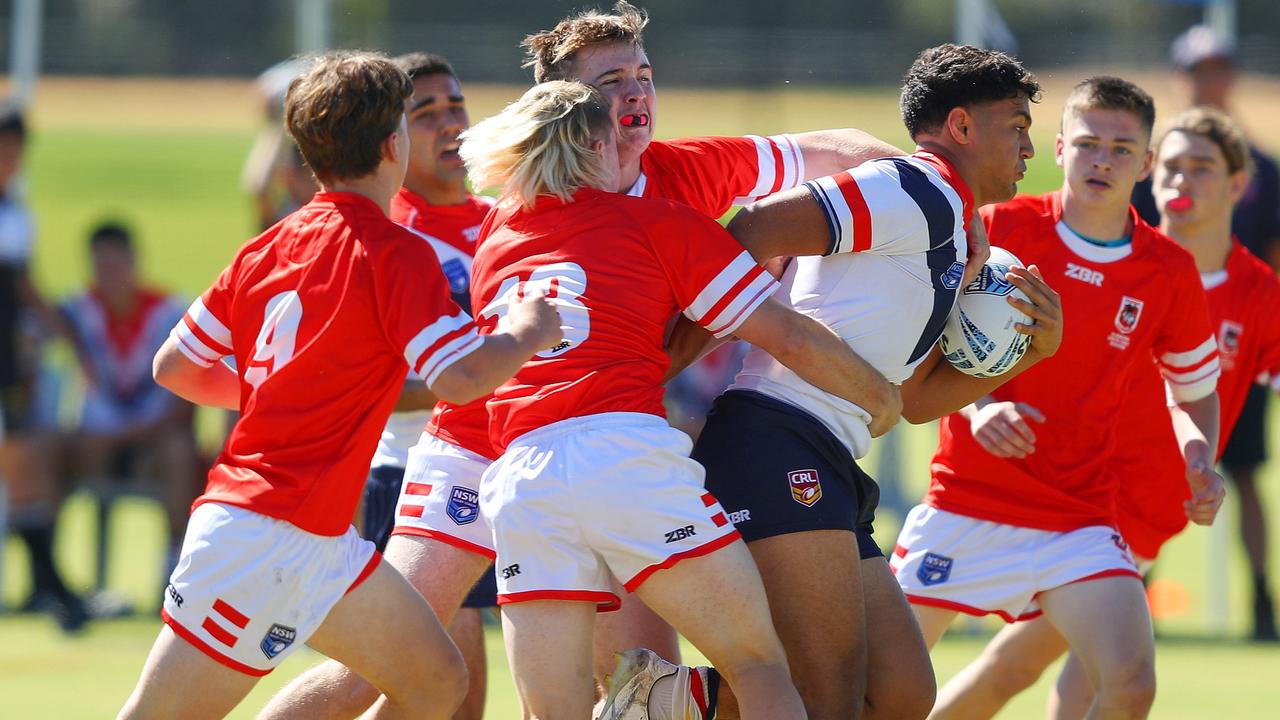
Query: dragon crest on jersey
{"type": "Point", "coordinates": [1128, 315]}
{"type": "Point", "coordinates": [806, 489]}
{"type": "Point", "coordinates": [934, 569]}
{"type": "Point", "coordinates": [464, 505]}
{"type": "Point", "coordinates": [1229, 337]}
{"type": "Point", "coordinates": [277, 639]}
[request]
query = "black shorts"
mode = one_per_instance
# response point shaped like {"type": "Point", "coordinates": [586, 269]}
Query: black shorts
{"type": "Point", "coordinates": [381, 493]}
{"type": "Point", "coordinates": [778, 470]}
{"type": "Point", "coordinates": [1247, 446]}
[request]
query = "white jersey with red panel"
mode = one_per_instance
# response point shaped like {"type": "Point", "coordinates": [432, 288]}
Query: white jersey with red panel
{"type": "Point", "coordinates": [1124, 305]}
{"type": "Point", "coordinates": [121, 349]}
{"type": "Point", "coordinates": [619, 268]}
{"type": "Point", "coordinates": [452, 232]}
{"type": "Point", "coordinates": [1242, 299]}
{"type": "Point", "coordinates": [712, 174]}
{"type": "Point", "coordinates": [321, 312]}
{"type": "Point", "coordinates": [898, 248]}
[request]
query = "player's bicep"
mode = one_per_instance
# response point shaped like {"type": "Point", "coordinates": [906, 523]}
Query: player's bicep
{"type": "Point", "coordinates": [788, 224]}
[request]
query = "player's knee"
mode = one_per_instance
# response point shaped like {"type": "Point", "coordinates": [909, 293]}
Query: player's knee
{"type": "Point", "coordinates": [1131, 688]}
{"type": "Point", "coordinates": [1008, 675]}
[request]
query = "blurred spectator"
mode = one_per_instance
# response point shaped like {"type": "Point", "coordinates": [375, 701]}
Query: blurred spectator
{"type": "Point", "coordinates": [274, 172]}
{"type": "Point", "coordinates": [24, 444]}
{"type": "Point", "coordinates": [1208, 63]}
{"type": "Point", "coordinates": [130, 427]}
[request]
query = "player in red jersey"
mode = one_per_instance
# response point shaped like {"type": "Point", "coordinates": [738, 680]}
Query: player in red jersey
{"type": "Point", "coordinates": [322, 313]}
{"type": "Point", "coordinates": [1201, 171]}
{"type": "Point", "coordinates": [1016, 520]}
{"type": "Point", "coordinates": [593, 484]}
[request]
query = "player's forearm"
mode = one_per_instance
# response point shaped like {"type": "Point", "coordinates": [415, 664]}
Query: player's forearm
{"type": "Point", "coordinates": [1195, 424]}
{"type": "Point", "coordinates": [937, 389]}
{"type": "Point", "coordinates": [481, 371]}
{"type": "Point", "coordinates": [827, 152]}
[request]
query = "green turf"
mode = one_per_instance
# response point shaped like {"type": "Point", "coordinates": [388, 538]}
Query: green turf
{"type": "Point", "coordinates": [179, 188]}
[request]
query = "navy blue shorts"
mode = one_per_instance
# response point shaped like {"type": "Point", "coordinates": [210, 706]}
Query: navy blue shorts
{"type": "Point", "coordinates": [381, 493]}
{"type": "Point", "coordinates": [778, 470]}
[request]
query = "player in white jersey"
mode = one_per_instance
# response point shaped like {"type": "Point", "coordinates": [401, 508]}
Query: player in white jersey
{"type": "Point", "coordinates": [780, 453]}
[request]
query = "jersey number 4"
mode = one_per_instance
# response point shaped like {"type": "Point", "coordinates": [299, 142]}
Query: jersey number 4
{"type": "Point", "coordinates": [274, 346]}
{"type": "Point", "coordinates": [564, 284]}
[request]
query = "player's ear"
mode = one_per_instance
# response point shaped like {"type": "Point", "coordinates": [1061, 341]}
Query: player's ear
{"type": "Point", "coordinates": [959, 126]}
{"type": "Point", "coordinates": [1058, 145]}
{"type": "Point", "coordinates": [1238, 183]}
{"type": "Point", "coordinates": [1148, 164]}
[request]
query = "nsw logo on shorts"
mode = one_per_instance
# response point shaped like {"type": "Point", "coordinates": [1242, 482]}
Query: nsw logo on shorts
{"type": "Point", "coordinates": [805, 486]}
{"type": "Point", "coordinates": [464, 505]}
{"type": "Point", "coordinates": [277, 639]}
{"type": "Point", "coordinates": [934, 569]}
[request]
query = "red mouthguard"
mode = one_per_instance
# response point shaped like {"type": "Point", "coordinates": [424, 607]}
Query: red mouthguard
{"type": "Point", "coordinates": [634, 120]}
{"type": "Point", "coordinates": [1182, 203]}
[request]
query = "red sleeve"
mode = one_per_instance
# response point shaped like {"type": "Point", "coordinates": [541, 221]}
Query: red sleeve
{"type": "Point", "coordinates": [204, 332]}
{"type": "Point", "coordinates": [419, 317]}
{"type": "Point", "coordinates": [1185, 348]}
{"type": "Point", "coordinates": [715, 281]}
{"type": "Point", "coordinates": [711, 174]}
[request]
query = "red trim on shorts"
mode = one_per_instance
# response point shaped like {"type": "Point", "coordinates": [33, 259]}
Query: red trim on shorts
{"type": "Point", "coordinates": [969, 609]}
{"type": "Point", "coordinates": [369, 567]}
{"type": "Point", "coordinates": [236, 617]}
{"type": "Point", "coordinates": [900, 550]}
{"type": "Point", "coordinates": [417, 488]}
{"type": "Point", "coordinates": [205, 648]}
{"type": "Point", "coordinates": [708, 499]}
{"type": "Point", "coordinates": [719, 519]}
{"type": "Point", "coordinates": [1114, 572]}
{"type": "Point", "coordinates": [412, 510]}
{"type": "Point", "coordinates": [447, 539]}
{"type": "Point", "coordinates": [706, 549]}
{"type": "Point", "coordinates": [605, 602]}
{"type": "Point", "coordinates": [696, 689]}
{"type": "Point", "coordinates": [219, 633]}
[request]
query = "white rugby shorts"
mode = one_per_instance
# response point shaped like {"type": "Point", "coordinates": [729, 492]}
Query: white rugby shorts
{"type": "Point", "coordinates": [250, 589]}
{"type": "Point", "coordinates": [440, 496]}
{"type": "Point", "coordinates": [580, 502]}
{"type": "Point", "coordinates": [980, 568]}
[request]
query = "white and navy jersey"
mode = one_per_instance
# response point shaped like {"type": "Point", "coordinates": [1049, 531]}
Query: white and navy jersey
{"type": "Point", "coordinates": [898, 248]}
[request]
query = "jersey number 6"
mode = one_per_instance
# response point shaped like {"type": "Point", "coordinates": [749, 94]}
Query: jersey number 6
{"type": "Point", "coordinates": [563, 283]}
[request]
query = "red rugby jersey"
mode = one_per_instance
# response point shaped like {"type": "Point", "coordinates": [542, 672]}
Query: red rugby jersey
{"type": "Point", "coordinates": [1153, 485]}
{"type": "Point", "coordinates": [708, 174]}
{"type": "Point", "coordinates": [1121, 306]}
{"type": "Point", "coordinates": [619, 269]}
{"type": "Point", "coordinates": [321, 312]}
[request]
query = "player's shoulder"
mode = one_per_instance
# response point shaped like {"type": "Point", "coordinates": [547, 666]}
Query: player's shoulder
{"type": "Point", "coordinates": [1029, 212]}
{"type": "Point", "coordinates": [1148, 240]}
{"type": "Point", "coordinates": [1250, 273]}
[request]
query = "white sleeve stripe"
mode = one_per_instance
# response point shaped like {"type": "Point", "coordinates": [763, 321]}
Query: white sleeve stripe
{"type": "Point", "coordinates": [766, 168]}
{"type": "Point", "coordinates": [792, 159]}
{"type": "Point", "coordinates": [760, 289]}
{"type": "Point", "coordinates": [1209, 369]}
{"type": "Point", "coordinates": [1191, 393]}
{"type": "Point", "coordinates": [191, 346]}
{"type": "Point", "coordinates": [1191, 357]}
{"type": "Point", "coordinates": [722, 284]}
{"type": "Point", "coordinates": [432, 334]}
{"type": "Point", "coordinates": [446, 356]}
{"type": "Point", "coordinates": [210, 325]}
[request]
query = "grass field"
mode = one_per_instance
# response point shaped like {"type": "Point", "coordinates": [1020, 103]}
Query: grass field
{"type": "Point", "coordinates": [165, 156]}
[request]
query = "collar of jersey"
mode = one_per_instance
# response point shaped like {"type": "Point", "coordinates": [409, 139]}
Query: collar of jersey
{"type": "Point", "coordinates": [348, 199]}
{"type": "Point", "coordinates": [948, 172]}
{"type": "Point", "coordinates": [1091, 251]}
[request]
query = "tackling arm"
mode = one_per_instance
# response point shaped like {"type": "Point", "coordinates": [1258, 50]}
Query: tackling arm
{"type": "Point", "coordinates": [827, 152]}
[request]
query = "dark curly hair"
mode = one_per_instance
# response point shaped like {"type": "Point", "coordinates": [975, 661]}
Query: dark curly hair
{"type": "Point", "coordinates": [949, 76]}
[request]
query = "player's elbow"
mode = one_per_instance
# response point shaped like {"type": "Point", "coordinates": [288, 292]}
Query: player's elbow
{"type": "Point", "coordinates": [462, 382]}
{"type": "Point", "coordinates": [167, 368]}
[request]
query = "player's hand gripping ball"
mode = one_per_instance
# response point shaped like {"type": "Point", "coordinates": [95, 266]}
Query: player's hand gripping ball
{"type": "Point", "coordinates": [979, 338]}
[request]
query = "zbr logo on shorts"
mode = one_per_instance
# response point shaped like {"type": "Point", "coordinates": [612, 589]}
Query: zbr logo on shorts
{"type": "Point", "coordinates": [277, 639]}
{"type": "Point", "coordinates": [805, 487]}
{"type": "Point", "coordinates": [464, 505]}
{"type": "Point", "coordinates": [934, 569]}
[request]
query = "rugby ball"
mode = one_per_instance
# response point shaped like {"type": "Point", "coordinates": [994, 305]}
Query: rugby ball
{"type": "Point", "coordinates": [979, 338]}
